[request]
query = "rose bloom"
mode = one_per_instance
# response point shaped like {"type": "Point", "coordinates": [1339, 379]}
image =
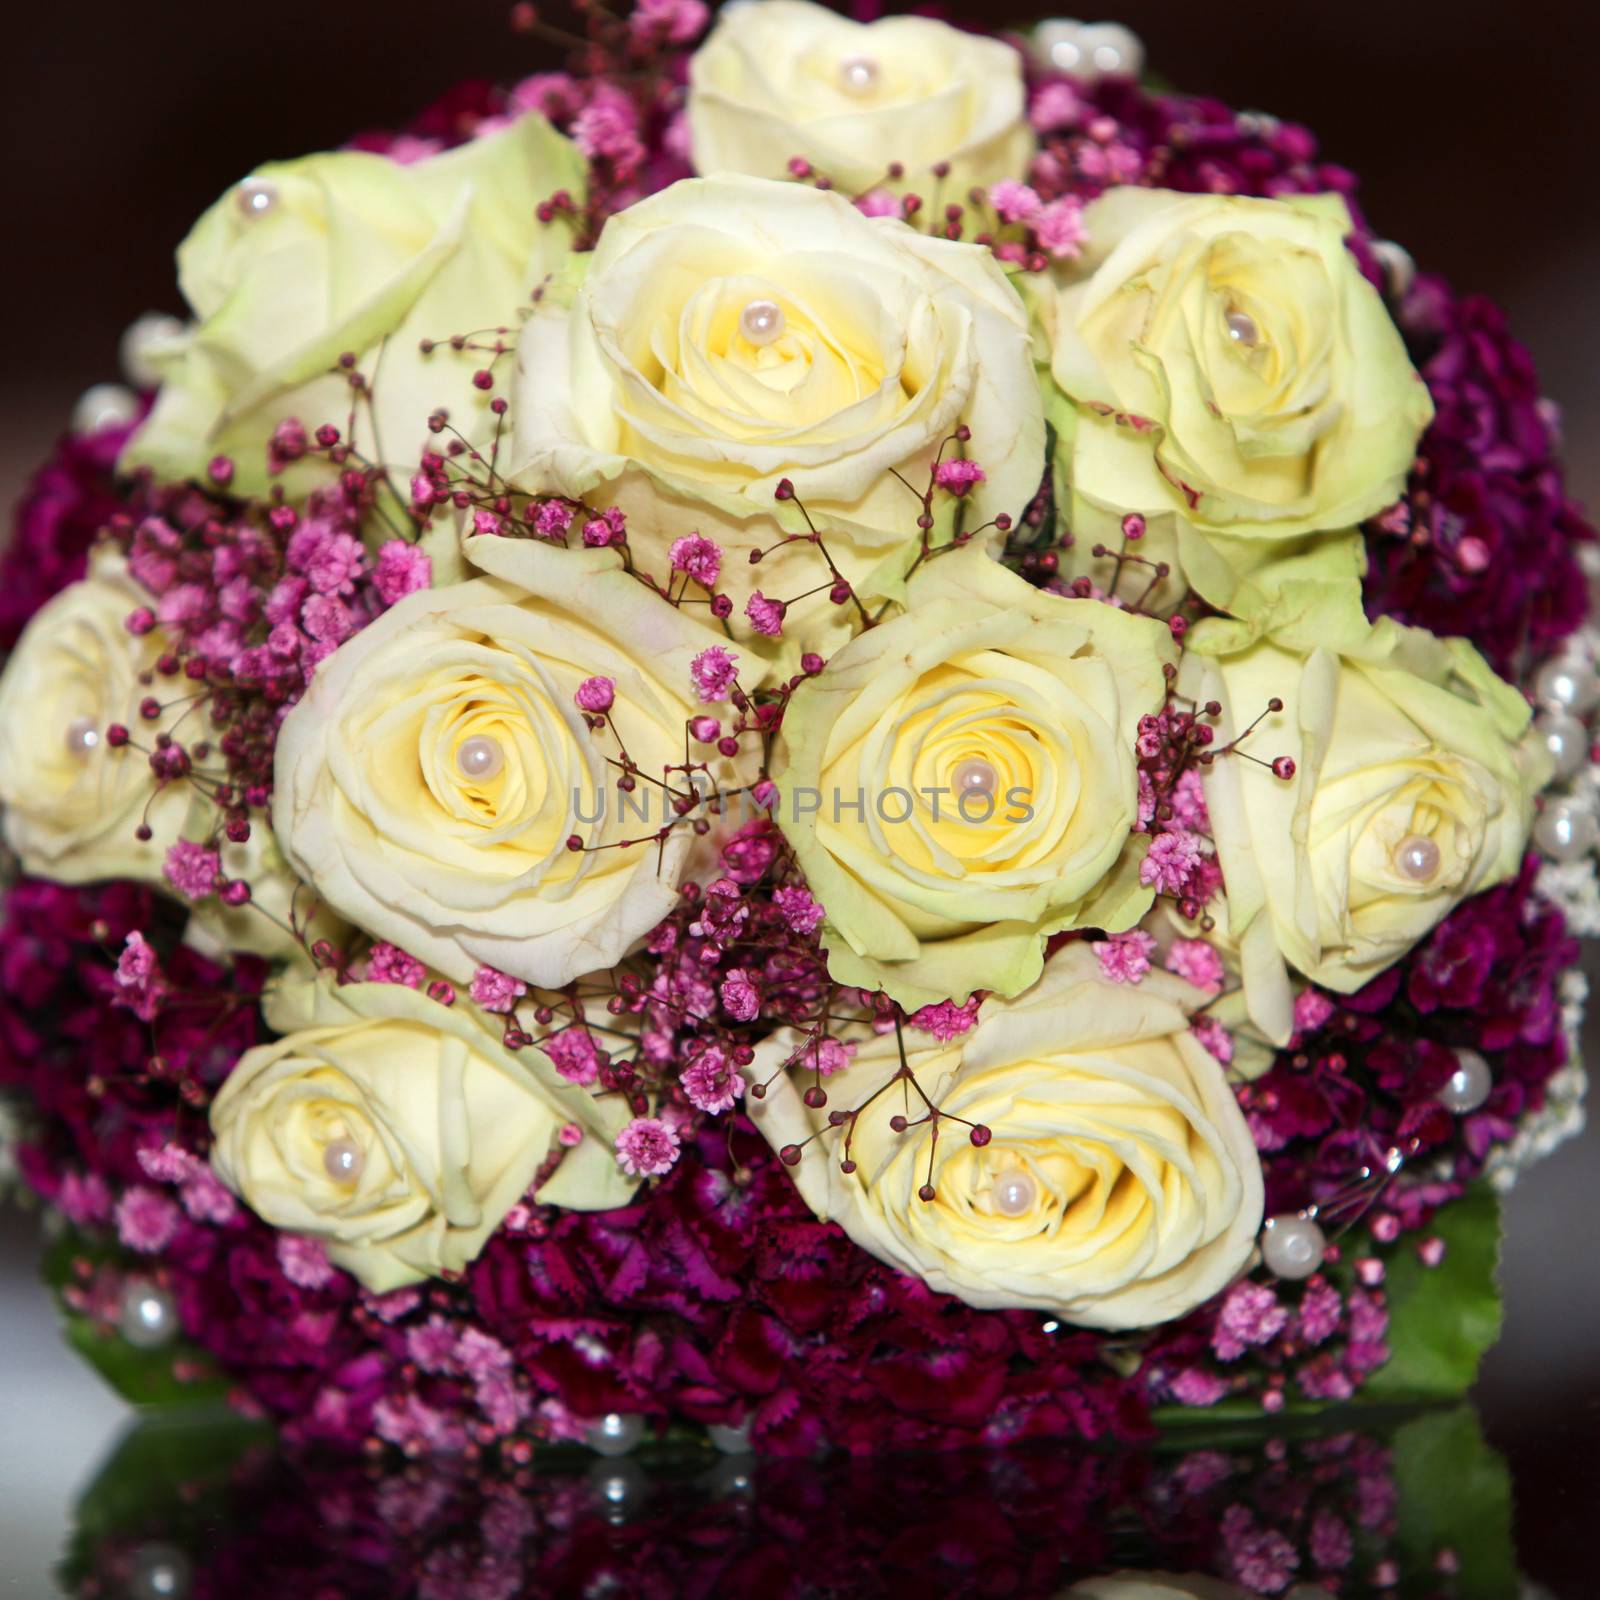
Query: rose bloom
{"type": "Point", "coordinates": [400, 1130]}
{"type": "Point", "coordinates": [960, 782]}
{"type": "Point", "coordinates": [655, 390]}
{"type": "Point", "coordinates": [308, 260]}
{"type": "Point", "coordinates": [430, 779]}
{"type": "Point", "coordinates": [1413, 789]}
{"type": "Point", "coordinates": [72, 803]}
{"type": "Point", "coordinates": [780, 79]}
{"type": "Point", "coordinates": [1120, 1186]}
{"type": "Point", "coordinates": [1223, 369]}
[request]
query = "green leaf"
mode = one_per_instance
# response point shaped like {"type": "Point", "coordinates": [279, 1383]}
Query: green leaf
{"type": "Point", "coordinates": [1454, 1493]}
{"type": "Point", "coordinates": [1442, 1319]}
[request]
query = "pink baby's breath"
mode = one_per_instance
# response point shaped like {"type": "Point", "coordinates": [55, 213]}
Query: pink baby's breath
{"type": "Point", "coordinates": [647, 1147]}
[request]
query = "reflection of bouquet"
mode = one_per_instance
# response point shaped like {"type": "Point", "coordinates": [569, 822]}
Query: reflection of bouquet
{"type": "Point", "coordinates": [1417, 1510]}
{"type": "Point", "coordinates": [795, 798]}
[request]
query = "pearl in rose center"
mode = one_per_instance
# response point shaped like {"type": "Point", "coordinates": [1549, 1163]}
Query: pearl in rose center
{"type": "Point", "coordinates": [976, 776]}
{"type": "Point", "coordinates": [1242, 329]}
{"type": "Point", "coordinates": [256, 197]}
{"type": "Point", "coordinates": [859, 74]}
{"type": "Point", "coordinates": [342, 1160]}
{"type": "Point", "coordinates": [762, 322]}
{"type": "Point", "coordinates": [83, 736]}
{"type": "Point", "coordinates": [1417, 858]}
{"type": "Point", "coordinates": [480, 758]}
{"type": "Point", "coordinates": [1014, 1193]}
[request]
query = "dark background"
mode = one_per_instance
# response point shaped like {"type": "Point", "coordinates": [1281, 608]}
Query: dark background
{"type": "Point", "coordinates": [1474, 127]}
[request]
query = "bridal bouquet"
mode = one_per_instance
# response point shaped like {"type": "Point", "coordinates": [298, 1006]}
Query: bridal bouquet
{"type": "Point", "coordinates": [842, 731]}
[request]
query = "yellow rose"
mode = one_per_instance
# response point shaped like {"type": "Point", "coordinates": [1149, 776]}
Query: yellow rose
{"type": "Point", "coordinates": [655, 391]}
{"type": "Point", "coordinates": [429, 781]}
{"type": "Point", "coordinates": [73, 804]}
{"type": "Point", "coordinates": [1119, 1188]}
{"type": "Point", "coordinates": [960, 783]}
{"type": "Point", "coordinates": [1163, 1586]}
{"type": "Point", "coordinates": [782, 78]}
{"type": "Point", "coordinates": [1225, 371]}
{"type": "Point", "coordinates": [401, 1130]}
{"type": "Point", "coordinates": [308, 260]}
{"type": "Point", "coordinates": [1413, 789]}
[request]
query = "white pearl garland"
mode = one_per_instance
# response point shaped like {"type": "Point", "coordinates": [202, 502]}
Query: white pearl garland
{"type": "Point", "coordinates": [342, 1160]}
{"type": "Point", "coordinates": [1014, 1193]}
{"type": "Point", "coordinates": [1567, 740]}
{"type": "Point", "coordinates": [1242, 329]}
{"type": "Point", "coordinates": [859, 75]}
{"type": "Point", "coordinates": [480, 758]}
{"type": "Point", "coordinates": [1468, 1086]}
{"type": "Point", "coordinates": [144, 336]}
{"type": "Point", "coordinates": [1566, 829]}
{"type": "Point", "coordinates": [1569, 684]}
{"type": "Point", "coordinates": [615, 1434]}
{"type": "Point", "coordinates": [1417, 857]}
{"type": "Point", "coordinates": [1292, 1247]}
{"type": "Point", "coordinates": [762, 322]}
{"type": "Point", "coordinates": [104, 405]}
{"type": "Point", "coordinates": [255, 197]}
{"type": "Point", "coordinates": [147, 1317]}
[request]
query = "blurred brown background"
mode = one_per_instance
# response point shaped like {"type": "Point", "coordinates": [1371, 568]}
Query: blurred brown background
{"type": "Point", "coordinates": [1473, 124]}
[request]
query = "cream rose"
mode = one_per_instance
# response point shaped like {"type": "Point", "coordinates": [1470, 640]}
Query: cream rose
{"type": "Point", "coordinates": [401, 1130]}
{"type": "Point", "coordinates": [1119, 1188]}
{"type": "Point", "coordinates": [72, 805]}
{"type": "Point", "coordinates": [1160, 1586]}
{"type": "Point", "coordinates": [1225, 371]}
{"type": "Point", "coordinates": [959, 783]}
{"type": "Point", "coordinates": [430, 779]}
{"type": "Point", "coordinates": [72, 802]}
{"type": "Point", "coordinates": [731, 333]}
{"type": "Point", "coordinates": [1413, 789]}
{"type": "Point", "coordinates": [308, 260]}
{"type": "Point", "coordinates": [782, 78]}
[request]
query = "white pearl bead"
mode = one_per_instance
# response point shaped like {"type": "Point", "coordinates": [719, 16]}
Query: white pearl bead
{"type": "Point", "coordinates": [1242, 329]}
{"type": "Point", "coordinates": [859, 74]}
{"type": "Point", "coordinates": [1565, 830]}
{"type": "Point", "coordinates": [480, 758]}
{"type": "Point", "coordinates": [976, 776]}
{"type": "Point", "coordinates": [762, 322]}
{"type": "Point", "coordinates": [622, 1487]}
{"type": "Point", "coordinates": [615, 1434]}
{"type": "Point", "coordinates": [148, 1316]}
{"type": "Point", "coordinates": [1108, 47]}
{"type": "Point", "coordinates": [1417, 857]}
{"type": "Point", "coordinates": [1566, 738]}
{"type": "Point", "coordinates": [1399, 270]}
{"type": "Point", "coordinates": [1469, 1084]}
{"type": "Point", "coordinates": [1293, 1247]}
{"type": "Point", "coordinates": [1014, 1193]}
{"type": "Point", "coordinates": [343, 1159]}
{"type": "Point", "coordinates": [144, 338]}
{"type": "Point", "coordinates": [1569, 684]}
{"type": "Point", "coordinates": [158, 1571]}
{"type": "Point", "coordinates": [104, 405]}
{"type": "Point", "coordinates": [731, 1440]}
{"type": "Point", "coordinates": [83, 735]}
{"type": "Point", "coordinates": [256, 197]}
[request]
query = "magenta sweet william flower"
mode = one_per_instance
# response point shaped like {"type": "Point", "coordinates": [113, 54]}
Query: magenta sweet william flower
{"type": "Point", "coordinates": [137, 982]}
{"type": "Point", "coordinates": [766, 615]}
{"type": "Point", "coordinates": [402, 569]}
{"type": "Point", "coordinates": [495, 990]}
{"type": "Point", "coordinates": [574, 1054]}
{"type": "Point", "coordinates": [388, 963]}
{"type": "Point", "coordinates": [711, 1082]}
{"type": "Point", "coordinates": [1125, 957]}
{"type": "Point", "coordinates": [647, 1147]}
{"type": "Point", "coordinates": [596, 695]}
{"type": "Point", "coordinates": [959, 476]}
{"type": "Point", "coordinates": [713, 672]}
{"type": "Point", "coordinates": [192, 869]}
{"type": "Point", "coordinates": [698, 557]}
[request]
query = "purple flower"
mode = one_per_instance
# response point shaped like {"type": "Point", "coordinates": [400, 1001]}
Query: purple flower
{"type": "Point", "coordinates": [403, 568]}
{"type": "Point", "coordinates": [647, 1147]}
{"type": "Point", "coordinates": [388, 963]}
{"type": "Point", "coordinates": [192, 869]}
{"type": "Point", "coordinates": [958, 477]}
{"type": "Point", "coordinates": [1124, 957]}
{"type": "Point", "coordinates": [711, 1081]}
{"type": "Point", "coordinates": [698, 557]}
{"type": "Point", "coordinates": [496, 991]}
{"type": "Point", "coordinates": [766, 616]}
{"type": "Point", "coordinates": [713, 672]}
{"type": "Point", "coordinates": [596, 695]}
{"type": "Point", "coordinates": [138, 982]}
